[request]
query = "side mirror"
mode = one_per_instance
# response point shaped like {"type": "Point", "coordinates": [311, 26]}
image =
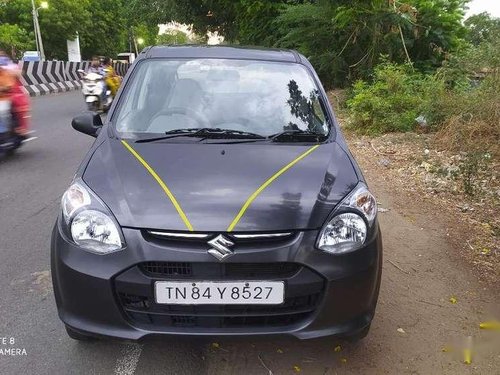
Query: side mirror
{"type": "Point", "coordinates": [88, 123]}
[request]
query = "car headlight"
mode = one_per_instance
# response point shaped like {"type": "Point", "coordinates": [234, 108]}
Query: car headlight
{"type": "Point", "coordinates": [89, 222]}
{"type": "Point", "coordinates": [74, 198]}
{"type": "Point", "coordinates": [348, 228]}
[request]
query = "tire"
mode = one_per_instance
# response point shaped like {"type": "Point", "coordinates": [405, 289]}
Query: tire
{"type": "Point", "coordinates": [78, 336]}
{"type": "Point", "coordinates": [93, 106]}
{"type": "Point", "coordinates": [358, 336]}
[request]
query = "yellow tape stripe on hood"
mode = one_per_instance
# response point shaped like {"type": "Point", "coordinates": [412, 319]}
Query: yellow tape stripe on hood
{"type": "Point", "coordinates": [265, 185]}
{"type": "Point", "coordinates": [162, 184]}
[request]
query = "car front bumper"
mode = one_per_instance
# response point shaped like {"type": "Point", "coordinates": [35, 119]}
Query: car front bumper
{"type": "Point", "coordinates": [112, 295]}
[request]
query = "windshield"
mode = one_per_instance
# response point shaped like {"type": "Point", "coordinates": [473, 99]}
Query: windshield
{"type": "Point", "coordinates": [262, 98]}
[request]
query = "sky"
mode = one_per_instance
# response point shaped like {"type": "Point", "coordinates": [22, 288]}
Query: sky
{"type": "Point", "coordinates": [490, 6]}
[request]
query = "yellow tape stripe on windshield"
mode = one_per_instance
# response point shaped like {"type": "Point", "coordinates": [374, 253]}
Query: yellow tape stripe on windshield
{"type": "Point", "coordinates": [162, 184]}
{"type": "Point", "coordinates": [265, 185]}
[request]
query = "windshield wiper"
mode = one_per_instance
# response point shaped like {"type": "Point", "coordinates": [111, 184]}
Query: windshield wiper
{"type": "Point", "coordinates": [295, 134]}
{"type": "Point", "coordinates": [231, 134]}
{"type": "Point", "coordinates": [204, 133]}
{"type": "Point", "coordinates": [188, 132]}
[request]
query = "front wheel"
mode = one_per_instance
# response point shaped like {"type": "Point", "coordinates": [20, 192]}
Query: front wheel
{"type": "Point", "coordinates": [93, 106]}
{"type": "Point", "coordinates": [78, 336]}
{"type": "Point", "coordinates": [355, 337]}
{"type": "Point", "coordinates": [10, 152]}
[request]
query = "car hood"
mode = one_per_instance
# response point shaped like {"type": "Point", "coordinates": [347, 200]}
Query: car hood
{"type": "Point", "coordinates": [212, 182]}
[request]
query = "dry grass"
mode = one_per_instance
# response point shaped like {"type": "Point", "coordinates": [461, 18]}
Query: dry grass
{"type": "Point", "coordinates": [469, 135]}
{"type": "Point", "coordinates": [409, 163]}
{"type": "Point", "coordinates": [457, 169]}
{"type": "Point", "coordinates": [471, 122]}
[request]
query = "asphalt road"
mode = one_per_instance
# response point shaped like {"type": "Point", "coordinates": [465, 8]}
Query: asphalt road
{"type": "Point", "coordinates": [31, 185]}
{"type": "Point", "coordinates": [414, 297]}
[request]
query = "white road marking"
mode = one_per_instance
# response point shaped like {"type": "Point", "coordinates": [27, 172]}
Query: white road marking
{"type": "Point", "coordinates": [128, 359]}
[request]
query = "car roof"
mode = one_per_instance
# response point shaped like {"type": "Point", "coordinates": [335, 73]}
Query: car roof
{"type": "Point", "coordinates": [217, 51]}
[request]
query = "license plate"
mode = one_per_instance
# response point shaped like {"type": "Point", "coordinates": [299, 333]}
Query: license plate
{"type": "Point", "coordinates": [220, 292]}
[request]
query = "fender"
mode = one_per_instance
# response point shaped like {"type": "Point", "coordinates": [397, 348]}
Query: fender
{"type": "Point", "coordinates": [91, 99]}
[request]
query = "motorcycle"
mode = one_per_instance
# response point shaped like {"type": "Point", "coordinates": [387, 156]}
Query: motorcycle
{"type": "Point", "coordinates": [14, 114]}
{"type": "Point", "coordinates": [92, 89]}
{"type": "Point", "coordinates": [11, 141]}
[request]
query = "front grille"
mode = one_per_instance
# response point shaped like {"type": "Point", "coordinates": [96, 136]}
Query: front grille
{"type": "Point", "coordinates": [199, 240]}
{"type": "Point", "coordinates": [229, 270]}
{"type": "Point", "coordinates": [167, 268]}
{"type": "Point", "coordinates": [303, 293]}
{"type": "Point", "coordinates": [143, 310]}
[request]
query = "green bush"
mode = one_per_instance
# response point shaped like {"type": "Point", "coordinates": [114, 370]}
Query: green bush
{"type": "Point", "coordinates": [393, 100]}
{"type": "Point", "coordinates": [460, 101]}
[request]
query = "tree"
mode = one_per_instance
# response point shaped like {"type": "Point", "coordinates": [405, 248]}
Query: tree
{"type": "Point", "coordinates": [61, 22]}
{"type": "Point", "coordinates": [105, 33]}
{"type": "Point", "coordinates": [173, 37]}
{"type": "Point", "coordinates": [482, 27]}
{"type": "Point", "coordinates": [148, 33]}
{"type": "Point", "coordinates": [102, 26]}
{"type": "Point", "coordinates": [243, 21]}
{"type": "Point", "coordinates": [14, 40]}
{"type": "Point", "coordinates": [58, 23]}
{"type": "Point", "coordinates": [346, 39]}
{"type": "Point", "coordinates": [204, 15]}
{"type": "Point", "coordinates": [255, 20]}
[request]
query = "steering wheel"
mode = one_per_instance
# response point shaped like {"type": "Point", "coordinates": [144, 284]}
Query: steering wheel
{"type": "Point", "coordinates": [201, 121]}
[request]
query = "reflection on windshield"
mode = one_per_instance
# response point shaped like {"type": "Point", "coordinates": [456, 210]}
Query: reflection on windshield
{"type": "Point", "coordinates": [303, 109]}
{"type": "Point", "coordinates": [257, 97]}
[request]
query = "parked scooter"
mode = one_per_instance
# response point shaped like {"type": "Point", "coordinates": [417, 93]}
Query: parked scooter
{"type": "Point", "coordinates": [93, 86]}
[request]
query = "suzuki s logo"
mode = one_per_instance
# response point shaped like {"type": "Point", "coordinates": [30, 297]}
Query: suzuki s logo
{"type": "Point", "coordinates": [221, 247]}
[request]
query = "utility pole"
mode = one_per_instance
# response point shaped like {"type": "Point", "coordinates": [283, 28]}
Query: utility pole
{"type": "Point", "coordinates": [130, 40]}
{"type": "Point", "coordinates": [33, 12]}
{"type": "Point", "coordinates": [36, 25]}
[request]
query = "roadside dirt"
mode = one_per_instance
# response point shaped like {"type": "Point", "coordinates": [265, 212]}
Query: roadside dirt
{"type": "Point", "coordinates": [418, 165]}
{"type": "Point", "coordinates": [430, 304]}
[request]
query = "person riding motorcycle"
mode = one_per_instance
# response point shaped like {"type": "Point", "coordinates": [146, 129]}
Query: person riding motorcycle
{"type": "Point", "coordinates": [14, 102]}
{"type": "Point", "coordinates": [112, 79]}
{"type": "Point", "coordinates": [96, 66]}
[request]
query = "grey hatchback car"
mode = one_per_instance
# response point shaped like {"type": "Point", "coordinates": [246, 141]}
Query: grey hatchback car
{"type": "Point", "coordinates": [219, 198]}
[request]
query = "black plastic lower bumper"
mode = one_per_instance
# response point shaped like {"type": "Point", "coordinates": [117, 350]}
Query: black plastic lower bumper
{"type": "Point", "coordinates": [113, 295]}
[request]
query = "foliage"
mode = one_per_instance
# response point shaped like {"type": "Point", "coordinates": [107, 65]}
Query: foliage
{"type": "Point", "coordinates": [103, 26]}
{"type": "Point", "coordinates": [467, 114]}
{"type": "Point", "coordinates": [255, 20]}
{"type": "Point", "coordinates": [460, 101]}
{"type": "Point", "coordinates": [146, 32]}
{"type": "Point", "coordinates": [173, 37]}
{"type": "Point", "coordinates": [346, 39]}
{"type": "Point", "coordinates": [203, 15]}
{"type": "Point", "coordinates": [14, 39]}
{"type": "Point", "coordinates": [106, 33]}
{"type": "Point", "coordinates": [239, 21]}
{"type": "Point", "coordinates": [58, 23]}
{"type": "Point", "coordinates": [481, 27]}
{"type": "Point", "coordinates": [393, 101]}
{"type": "Point", "coordinates": [308, 29]}
{"type": "Point", "coordinates": [475, 164]}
